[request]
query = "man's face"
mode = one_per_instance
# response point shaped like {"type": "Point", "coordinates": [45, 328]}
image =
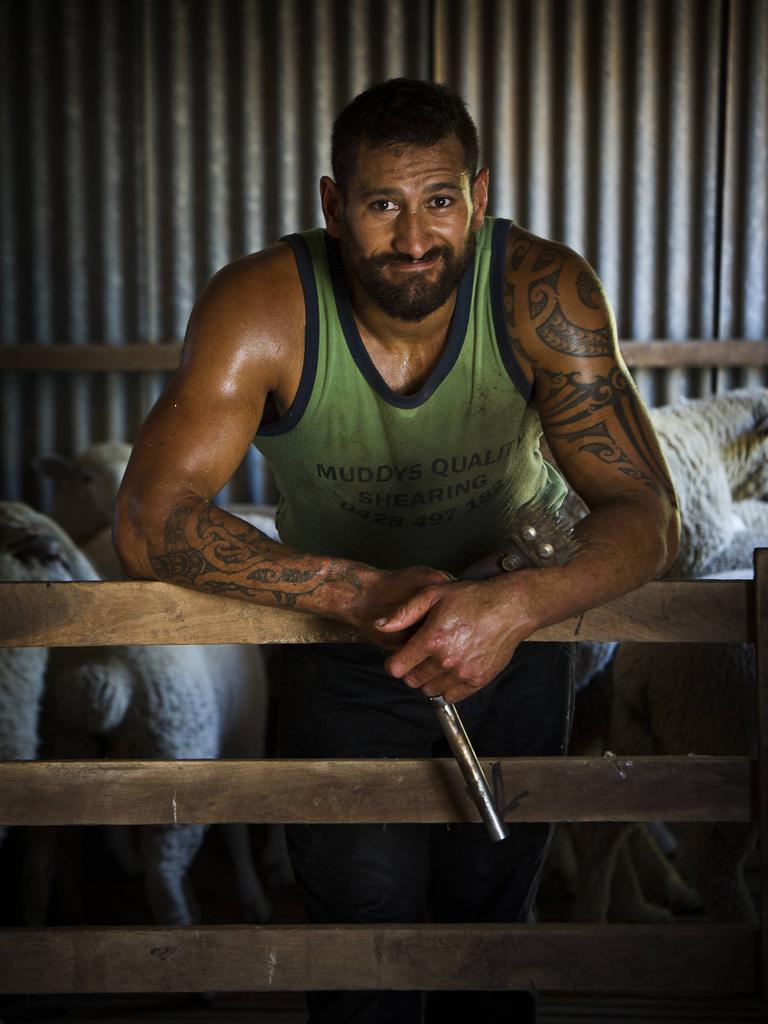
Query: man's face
{"type": "Point", "coordinates": [407, 225]}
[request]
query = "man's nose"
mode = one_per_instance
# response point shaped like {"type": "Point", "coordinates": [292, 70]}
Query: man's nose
{"type": "Point", "coordinates": [412, 233]}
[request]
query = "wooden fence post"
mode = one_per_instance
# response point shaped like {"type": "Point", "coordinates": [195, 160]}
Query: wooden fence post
{"type": "Point", "coordinates": [761, 641]}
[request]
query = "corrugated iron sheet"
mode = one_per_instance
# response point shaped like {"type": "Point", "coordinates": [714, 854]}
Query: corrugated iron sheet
{"type": "Point", "coordinates": [743, 291]}
{"type": "Point", "coordinates": [145, 143]}
{"type": "Point", "coordinates": [603, 126]}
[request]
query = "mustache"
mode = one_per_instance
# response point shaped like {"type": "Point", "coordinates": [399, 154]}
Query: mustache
{"type": "Point", "coordinates": [385, 258]}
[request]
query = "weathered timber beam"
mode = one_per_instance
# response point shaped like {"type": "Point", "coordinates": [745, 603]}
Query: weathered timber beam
{"type": "Point", "coordinates": [130, 612]}
{"type": "Point", "coordinates": [288, 958]}
{"type": "Point", "coordinates": [689, 354]}
{"type": "Point", "coordinates": [130, 358]}
{"type": "Point", "coordinates": [164, 356]}
{"type": "Point", "coordinates": [383, 791]}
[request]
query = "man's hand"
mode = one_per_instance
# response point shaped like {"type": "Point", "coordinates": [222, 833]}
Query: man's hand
{"type": "Point", "coordinates": [468, 634]}
{"type": "Point", "coordinates": [389, 593]}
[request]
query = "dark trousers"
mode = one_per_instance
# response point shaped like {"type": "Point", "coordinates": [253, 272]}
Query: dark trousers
{"type": "Point", "coordinates": [336, 701]}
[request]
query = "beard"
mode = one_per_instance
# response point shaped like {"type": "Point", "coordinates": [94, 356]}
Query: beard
{"type": "Point", "coordinates": [420, 294]}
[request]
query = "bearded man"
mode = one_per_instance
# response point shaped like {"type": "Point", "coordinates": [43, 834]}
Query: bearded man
{"type": "Point", "coordinates": [397, 370]}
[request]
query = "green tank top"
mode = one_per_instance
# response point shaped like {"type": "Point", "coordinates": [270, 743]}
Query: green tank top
{"type": "Point", "coordinates": [432, 478]}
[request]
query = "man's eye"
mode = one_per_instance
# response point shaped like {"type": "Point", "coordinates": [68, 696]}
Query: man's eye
{"type": "Point", "coordinates": [383, 205]}
{"type": "Point", "coordinates": [441, 202]}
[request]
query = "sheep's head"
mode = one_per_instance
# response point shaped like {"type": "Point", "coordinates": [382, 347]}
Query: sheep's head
{"type": "Point", "coordinates": [85, 487]}
{"type": "Point", "coordinates": [33, 547]}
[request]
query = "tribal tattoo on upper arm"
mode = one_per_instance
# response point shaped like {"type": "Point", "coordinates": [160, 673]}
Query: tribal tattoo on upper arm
{"type": "Point", "coordinates": [206, 548]}
{"type": "Point", "coordinates": [554, 304]}
{"type": "Point", "coordinates": [552, 294]}
{"type": "Point", "coordinates": [589, 412]}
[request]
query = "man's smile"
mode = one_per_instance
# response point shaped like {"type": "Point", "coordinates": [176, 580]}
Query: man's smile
{"type": "Point", "coordinates": [402, 261]}
{"type": "Point", "coordinates": [422, 263]}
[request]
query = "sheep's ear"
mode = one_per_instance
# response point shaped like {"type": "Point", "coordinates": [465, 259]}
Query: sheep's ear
{"type": "Point", "coordinates": [57, 467]}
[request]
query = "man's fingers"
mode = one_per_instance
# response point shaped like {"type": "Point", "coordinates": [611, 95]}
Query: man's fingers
{"type": "Point", "coordinates": [451, 694]}
{"type": "Point", "coordinates": [424, 674]}
{"type": "Point", "coordinates": [440, 684]}
{"type": "Point", "coordinates": [407, 658]}
{"type": "Point", "coordinates": [417, 661]}
{"type": "Point", "coordinates": [407, 614]}
{"type": "Point", "coordinates": [432, 679]}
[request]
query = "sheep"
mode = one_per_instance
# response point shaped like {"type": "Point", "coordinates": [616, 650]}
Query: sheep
{"type": "Point", "coordinates": [84, 492]}
{"type": "Point", "coordinates": [679, 699]}
{"type": "Point", "coordinates": [650, 716]}
{"type": "Point", "coordinates": [97, 703]}
{"type": "Point", "coordinates": [235, 677]}
{"type": "Point", "coordinates": [716, 449]}
{"type": "Point", "coordinates": [31, 548]}
{"type": "Point", "coordinates": [85, 489]}
{"type": "Point", "coordinates": [633, 852]}
{"type": "Point", "coordinates": [137, 702]}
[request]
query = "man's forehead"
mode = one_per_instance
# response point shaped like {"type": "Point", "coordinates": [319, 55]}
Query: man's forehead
{"type": "Point", "coordinates": [403, 165]}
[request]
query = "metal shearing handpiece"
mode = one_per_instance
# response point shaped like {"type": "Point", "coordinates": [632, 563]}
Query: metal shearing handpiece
{"type": "Point", "coordinates": [471, 768]}
{"type": "Point", "coordinates": [537, 539]}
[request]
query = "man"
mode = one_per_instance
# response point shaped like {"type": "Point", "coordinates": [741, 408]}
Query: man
{"type": "Point", "coordinates": [397, 371]}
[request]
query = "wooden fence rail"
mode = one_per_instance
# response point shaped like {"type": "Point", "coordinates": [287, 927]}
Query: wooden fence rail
{"type": "Point", "coordinates": [164, 356]}
{"type": "Point", "coordinates": [659, 958]}
{"type": "Point", "coordinates": [99, 614]}
{"type": "Point", "coordinates": [301, 791]}
{"type": "Point", "coordinates": [289, 958]}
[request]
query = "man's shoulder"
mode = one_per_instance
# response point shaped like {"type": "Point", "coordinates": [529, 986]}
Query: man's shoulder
{"type": "Point", "coordinates": [261, 280]}
{"type": "Point", "coordinates": [554, 304]}
{"type": "Point", "coordinates": [531, 255]}
{"type": "Point", "coordinates": [251, 314]}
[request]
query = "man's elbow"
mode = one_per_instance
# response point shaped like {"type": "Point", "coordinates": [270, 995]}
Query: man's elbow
{"type": "Point", "coordinates": [130, 539]}
{"type": "Point", "coordinates": [670, 539]}
{"type": "Point", "coordinates": [656, 541]}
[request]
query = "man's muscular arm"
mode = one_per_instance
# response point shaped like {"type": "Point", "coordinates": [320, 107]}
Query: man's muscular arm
{"type": "Point", "coordinates": [244, 343]}
{"type": "Point", "coordinates": [562, 331]}
{"type": "Point", "coordinates": [594, 422]}
{"type": "Point", "coordinates": [206, 547]}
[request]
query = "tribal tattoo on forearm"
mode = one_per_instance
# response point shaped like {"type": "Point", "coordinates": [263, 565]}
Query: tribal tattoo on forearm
{"type": "Point", "coordinates": [211, 550]}
{"type": "Point", "coordinates": [577, 410]}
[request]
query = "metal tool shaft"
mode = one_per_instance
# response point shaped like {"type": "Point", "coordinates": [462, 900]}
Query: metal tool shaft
{"type": "Point", "coordinates": [470, 768]}
{"type": "Point", "coordinates": [537, 539]}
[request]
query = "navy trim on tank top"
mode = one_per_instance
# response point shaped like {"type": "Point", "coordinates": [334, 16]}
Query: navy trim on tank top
{"type": "Point", "coordinates": [456, 334]}
{"type": "Point", "coordinates": [311, 340]}
{"type": "Point", "coordinates": [497, 284]}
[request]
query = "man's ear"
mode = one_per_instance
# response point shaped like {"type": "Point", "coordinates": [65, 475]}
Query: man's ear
{"type": "Point", "coordinates": [479, 197]}
{"type": "Point", "coordinates": [332, 203]}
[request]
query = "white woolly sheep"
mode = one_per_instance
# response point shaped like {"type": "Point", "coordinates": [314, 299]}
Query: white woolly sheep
{"type": "Point", "coordinates": [142, 702]}
{"type": "Point", "coordinates": [31, 548]}
{"type": "Point", "coordinates": [232, 677]}
{"type": "Point", "coordinates": [85, 489]}
{"type": "Point", "coordinates": [148, 702]}
{"type": "Point", "coordinates": [717, 452]}
{"type": "Point", "coordinates": [680, 699]}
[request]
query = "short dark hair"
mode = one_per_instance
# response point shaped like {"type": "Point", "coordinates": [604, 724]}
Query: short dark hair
{"type": "Point", "coordinates": [401, 112]}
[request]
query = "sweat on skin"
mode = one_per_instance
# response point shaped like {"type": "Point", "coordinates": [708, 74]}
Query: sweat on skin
{"type": "Point", "coordinates": [246, 341]}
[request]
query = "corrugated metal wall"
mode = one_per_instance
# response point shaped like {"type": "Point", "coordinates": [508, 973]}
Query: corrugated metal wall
{"type": "Point", "coordinates": [634, 130]}
{"type": "Point", "coordinates": [144, 143]}
{"type": "Point", "coordinates": [743, 291]}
